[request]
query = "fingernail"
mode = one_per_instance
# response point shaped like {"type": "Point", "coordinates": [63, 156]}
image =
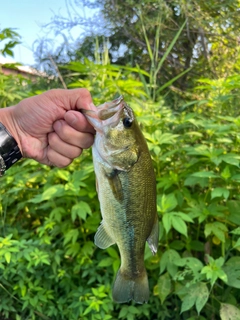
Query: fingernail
{"type": "Point", "coordinates": [92, 106]}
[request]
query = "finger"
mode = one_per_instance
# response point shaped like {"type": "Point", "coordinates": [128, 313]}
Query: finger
{"type": "Point", "coordinates": [78, 121]}
{"type": "Point", "coordinates": [57, 159]}
{"type": "Point", "coordinates": [71, 136]}
{"type": "Point", "coordinates": [62, 147]}
{"type": "Point", "coordinates": [74, 99]}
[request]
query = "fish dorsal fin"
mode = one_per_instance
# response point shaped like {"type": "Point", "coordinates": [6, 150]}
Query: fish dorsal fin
{"type": "Point", "coordinates": [115, 184]}
{"type": "Point", "coordinates": [154, 236]}
{"type": "Point", "coordinates": [102, 238]}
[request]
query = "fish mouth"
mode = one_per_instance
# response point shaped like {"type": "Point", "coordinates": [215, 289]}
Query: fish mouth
{"type": "Point", "coordinates": [105, 115]}
{"type": "Point", "coordinates": [109, 109]}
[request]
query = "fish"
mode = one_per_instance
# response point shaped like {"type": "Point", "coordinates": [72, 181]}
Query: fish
{"type": "Point", "coordinates": [126, 187]}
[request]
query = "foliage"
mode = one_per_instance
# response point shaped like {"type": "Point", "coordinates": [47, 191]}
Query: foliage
{"type": "Point", "coordinates": [49, 265]}
{"type": "Point", "coordinates": [14, 87]}
{"type": "Point", "coordinates": [9, 38]}
{"type": "Point", "coordinates": [208, 39]}
{"type": "Point", "coordinates": [11, 87]}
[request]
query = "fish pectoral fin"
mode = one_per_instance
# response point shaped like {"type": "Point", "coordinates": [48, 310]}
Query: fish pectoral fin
{"type": "Point", "coordinates": [102, 239]}
{"type": "Point", "coordinates": [115, 184]}
{"type": "Point", "coordinates": [154, 236]}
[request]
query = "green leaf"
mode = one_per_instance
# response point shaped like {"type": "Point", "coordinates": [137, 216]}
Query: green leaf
{"type": "Point", "coordinates": [113, 253]}
{"type": "Point", "coordinates": [236, 231]}
{"type": "Point", "coordinates": [133, 310]}
{"type": "Point", "coordinates": [169, 48]}
{"type": "Point", "coordinates": [220, 192]}
{"type": "Point", "coordinates": [71, 235]}
{"type": "Point", "coordinates": [164, 138]}
{"type": "Point", "coordinates": [237, 244]}
{"type": "Point", "coordinates": [226, 174]}
{"type": "Point", "coordinates": [80, 210]}
{"type": "Point", "coordinates": [106, 262]}
{"type": "Point", "coordinates": [218, 229]}
{"type": "Point", "coordinates": [167, 84]}
{"type": "Point", "coordinates": [123, 313]}
{"type": "Point", "coordinates": [214, 270]}
{"type": "Point", "coordinates": [63, 174]}
{"type": "Point", "coordinates": [7, 256]}
{"type": "Point", "coordinates": [229, 312]}
{"type": "Point", "coordinates": [179, 225]}
{"type": "Point", "coordinates": [232, 270]}
{"type": "Point", "coordinates": [203, 295]}
{"type": "Point", "coordinates": [190, 262]}
{"type": "Point", "coordinates": [168, 262]}
{"type": "Point", "coordinates": [198, 294]}
{"type": "Point", "coordinates": [167, 203]}
{"type": "Point", "coordinates": [57, 213]}
{"type": "Point", "coordinates": [176, 220]}
{"type": "Point", "coordinates": [234, 209]}
{"type": "Point", "coordinates": [73, 249]}
{"type": "Point", "coordinates": [164, 286]}
{"type": "Point", "coordinates": [51, 193]}
{"type": "Point", "coordinates": [23, 290]}
{"type": "Point", "coordinates": [177, 245]}
{"type": "Point", "coordinates": [231, 158]}
{"type": "Point", "coordinates": [188, 301]}
{"type": "Point", "coordinates": [167, 221]}
{"type": "Point", "coordinates": [205, 174]}
{"type": "Point", "coordinates": [192, 181]}
{"type": "Point", "coordinates": [183, 216]}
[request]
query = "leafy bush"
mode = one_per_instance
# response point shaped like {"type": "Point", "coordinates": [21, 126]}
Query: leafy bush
{"type": "Point", "coordinates": [49, 265]}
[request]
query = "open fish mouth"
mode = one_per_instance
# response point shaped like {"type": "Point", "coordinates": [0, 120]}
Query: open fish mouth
{"type": "Point", "coordinates": [109, 109]}
{"type": "Point", "coordinates": [106, 115]}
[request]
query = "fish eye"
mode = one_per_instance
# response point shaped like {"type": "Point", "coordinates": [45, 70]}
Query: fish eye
{"type": "Point", "coordinates": [127, 122]}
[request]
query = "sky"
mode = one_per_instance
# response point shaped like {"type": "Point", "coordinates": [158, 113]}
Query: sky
{"type": "Point", "coordinates": [27, 18]}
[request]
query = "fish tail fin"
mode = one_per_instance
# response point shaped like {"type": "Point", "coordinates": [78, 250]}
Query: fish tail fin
{"type": "Point", "coordinates": [126, 289]}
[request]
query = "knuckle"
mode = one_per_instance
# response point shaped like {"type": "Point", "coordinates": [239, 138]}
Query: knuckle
{"type": "Point", "coordinates": [78, 153]}
{"type": "Point", "coordinates": [73, 153]}
{"type": "Point", "coordinates": [58, 160]}
{"type": "Point", "coordinates": [87, 141]}
{"type": "Point", "coordinates": [64, 163]}
{"type": "Point", "coordinates": [62, 130]}
{"type": "Point", "coordinates": [52, 138]}
{"type": "Point", "coordinates": [84, 92]}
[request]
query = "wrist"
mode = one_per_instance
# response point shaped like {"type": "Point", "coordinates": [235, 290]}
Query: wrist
{"type": "Point", "coordinates": [7, 119]}
{"type": "Point", "coordinates": [9, 149]}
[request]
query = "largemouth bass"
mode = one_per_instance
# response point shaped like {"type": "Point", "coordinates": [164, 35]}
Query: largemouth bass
{"type": "Point", "coordinates": [126, 189]}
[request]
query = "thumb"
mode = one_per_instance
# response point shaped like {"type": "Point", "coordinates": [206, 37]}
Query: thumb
{"type": "Point", "coordinates": [78, 121]}
{"type": "Point", "coordinates": [71, 99]}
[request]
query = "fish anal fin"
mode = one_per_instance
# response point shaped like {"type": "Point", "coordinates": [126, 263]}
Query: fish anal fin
{"type": "Point", "coordinates": [102, 238]}
{"type": "Point", "coordinates": [115, 184]}
{"type": "Point", "coordinates": [154, 236]}
{"type": "Point", "coordinates": [126, 289]}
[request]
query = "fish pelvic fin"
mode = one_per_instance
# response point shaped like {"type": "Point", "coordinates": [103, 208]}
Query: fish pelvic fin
{"type": "Point", "coordinates": [102, 238]}
{"type": "Point", "coordinates": [126, 289]}
{"type": "Point", "coordinates": [152, 240]}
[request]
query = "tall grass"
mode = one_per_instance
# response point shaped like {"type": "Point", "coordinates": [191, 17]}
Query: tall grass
{"type": "Point", "coordinates": [156, 61]}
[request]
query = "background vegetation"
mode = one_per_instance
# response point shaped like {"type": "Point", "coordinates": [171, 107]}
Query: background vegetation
{"type": "Point", "coordinates": [182, 80]}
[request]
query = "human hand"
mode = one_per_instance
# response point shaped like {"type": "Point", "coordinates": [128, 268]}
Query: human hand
{"type": "Point", "coordinates": [49, 128]}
